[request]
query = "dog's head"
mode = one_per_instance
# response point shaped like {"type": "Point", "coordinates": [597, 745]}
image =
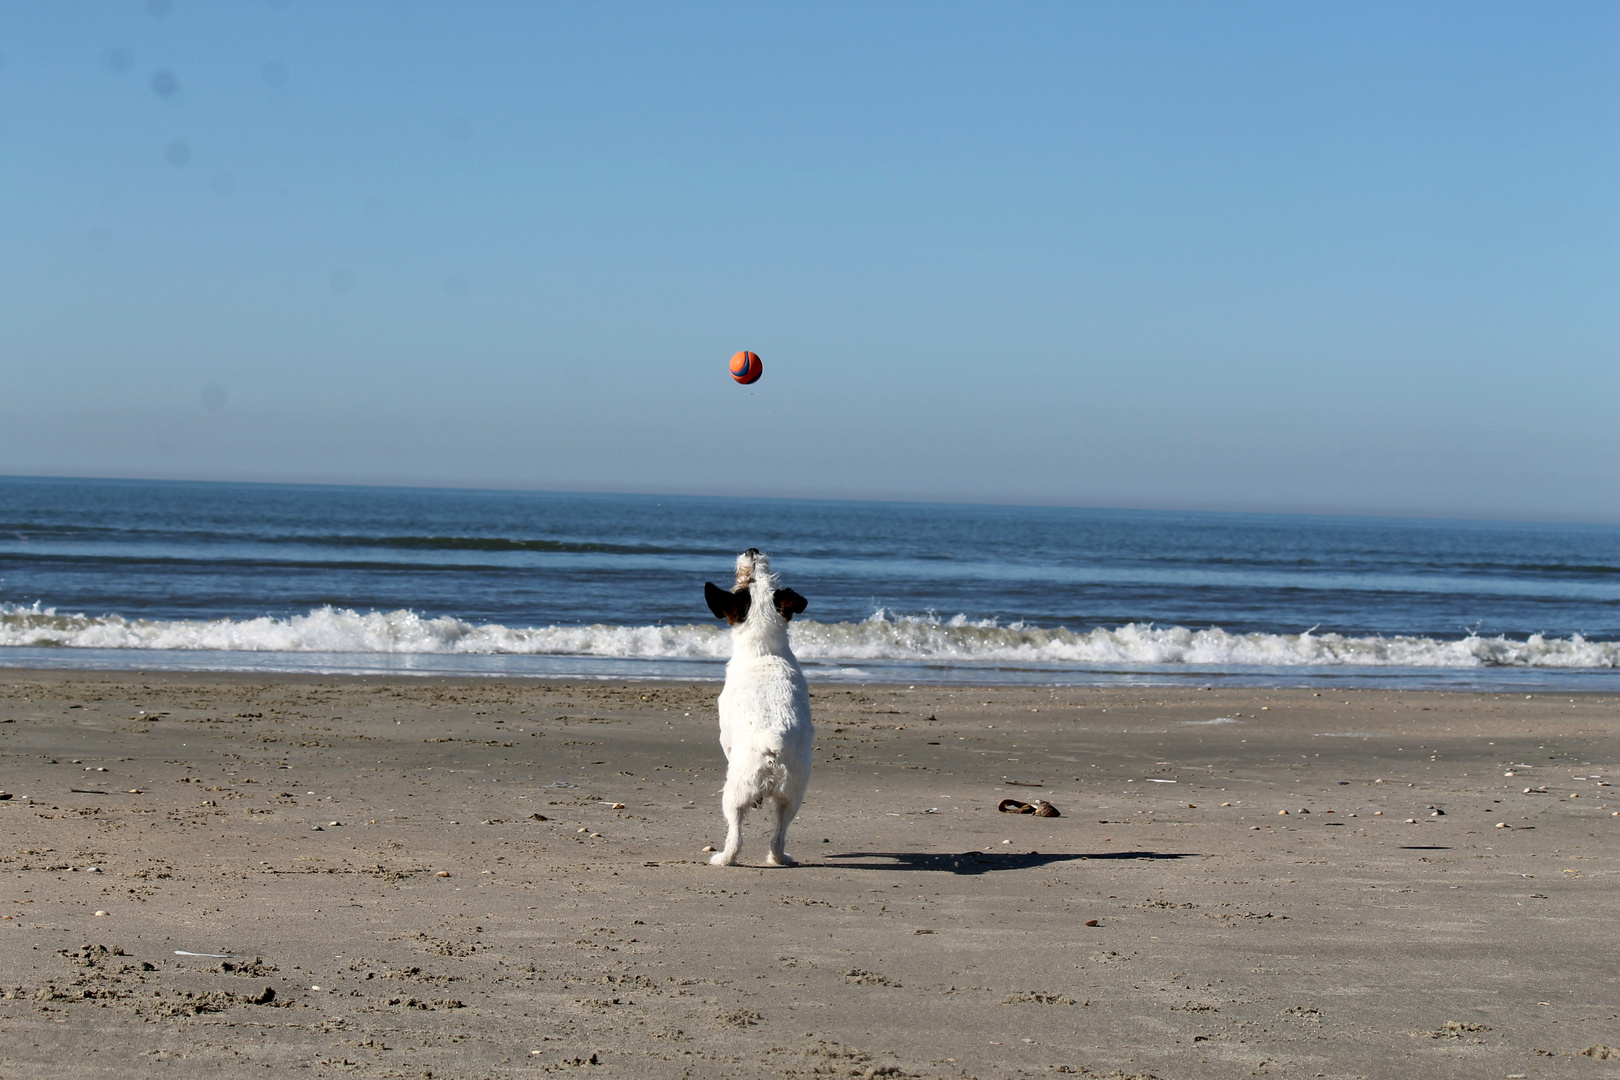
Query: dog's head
{"type": "Point", "coordinates": [753, 576]}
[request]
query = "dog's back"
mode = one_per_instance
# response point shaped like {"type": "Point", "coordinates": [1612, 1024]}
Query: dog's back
{"type": "Point", "coordinates": [765, 719]}
{"type": "Point", "coordinates": [765, 726]}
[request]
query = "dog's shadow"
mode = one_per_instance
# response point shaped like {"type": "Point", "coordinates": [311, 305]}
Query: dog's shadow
{"type": "Point", "coordinates": [983, 862]}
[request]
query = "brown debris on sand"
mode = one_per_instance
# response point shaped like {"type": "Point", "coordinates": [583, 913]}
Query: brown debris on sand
{"type": "Point", "coordinates": [1040, 808]}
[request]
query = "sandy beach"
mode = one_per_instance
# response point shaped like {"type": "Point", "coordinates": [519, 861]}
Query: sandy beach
{"type": "Point", "coordinates": [481, 878]}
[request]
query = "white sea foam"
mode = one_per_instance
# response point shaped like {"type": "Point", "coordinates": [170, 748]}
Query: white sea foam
{"type": "Point", "coordinates": [339, 630]}
{"type": "Point", "coordinates": [879, 638]}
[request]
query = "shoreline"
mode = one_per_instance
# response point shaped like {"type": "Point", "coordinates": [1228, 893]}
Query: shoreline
{"type": "Point", "coordinates": [1359, 934]}
{"type": "Point", "coordinates": [960, 674]}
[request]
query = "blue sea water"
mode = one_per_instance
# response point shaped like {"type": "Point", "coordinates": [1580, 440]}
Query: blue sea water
{"type": "Point", "coordinates": [127, 574]}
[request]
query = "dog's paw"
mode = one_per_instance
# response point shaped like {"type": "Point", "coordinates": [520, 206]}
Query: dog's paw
{"type": "Point", "coordinates": [720, 858]}
{"type": "Point", "coordinates": [783, 859]}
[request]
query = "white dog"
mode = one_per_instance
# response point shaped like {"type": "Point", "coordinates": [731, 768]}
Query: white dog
{"type": "Point", "coordinates": [765, 725]}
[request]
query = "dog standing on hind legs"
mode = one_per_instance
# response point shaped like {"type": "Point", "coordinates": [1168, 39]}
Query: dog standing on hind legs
{"type": "Point", "coordinates": [765, 727]}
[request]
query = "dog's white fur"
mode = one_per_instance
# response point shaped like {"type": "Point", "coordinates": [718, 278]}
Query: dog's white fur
{"type": "Point", "coordinates": [765, 727]}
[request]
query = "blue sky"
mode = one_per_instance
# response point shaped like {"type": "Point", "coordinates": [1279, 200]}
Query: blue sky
{"type": "Point", "coordinates": [1345, 258]}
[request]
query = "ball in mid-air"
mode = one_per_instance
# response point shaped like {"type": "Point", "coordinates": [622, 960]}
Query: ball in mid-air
{"type": "Point", "coordinates": [745, 367]}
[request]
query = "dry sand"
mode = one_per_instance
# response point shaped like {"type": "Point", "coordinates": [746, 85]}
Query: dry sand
{"type": "Point", "coordinates": [1357, 935]}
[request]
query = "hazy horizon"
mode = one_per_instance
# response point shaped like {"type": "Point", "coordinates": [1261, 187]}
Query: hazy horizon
{"type": "Point", "coordinates": [876, 499]}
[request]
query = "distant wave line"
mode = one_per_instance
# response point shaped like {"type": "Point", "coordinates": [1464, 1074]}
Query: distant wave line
{"type": "Point", "coordinates": [265, 565]}
{"type": "Point", "coordinates": [33, 532]}
{"type": "Point", "coordinates": [413, 543]}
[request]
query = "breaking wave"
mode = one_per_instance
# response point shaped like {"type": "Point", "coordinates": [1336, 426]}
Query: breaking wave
{"type": "Point", "coordinates": [880, 638]}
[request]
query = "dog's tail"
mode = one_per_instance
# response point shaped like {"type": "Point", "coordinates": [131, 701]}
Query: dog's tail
{"type": "Point", "coordinates": [770, 777]}
{"type": "Point", "coordinates": [773, 773]}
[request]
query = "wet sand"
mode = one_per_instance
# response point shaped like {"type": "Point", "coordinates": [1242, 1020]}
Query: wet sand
{"type": "Point", "coordinates": [1414, 913]}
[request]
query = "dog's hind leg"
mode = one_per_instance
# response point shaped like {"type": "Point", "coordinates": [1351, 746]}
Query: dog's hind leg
{"type": "Point", "coordinates": [732, 804]}
{"type": "Point", "coordinates": [786, 808]}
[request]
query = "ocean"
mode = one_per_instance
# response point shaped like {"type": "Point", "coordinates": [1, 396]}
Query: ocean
{"type": "Point", "coordinates": [103, 574]}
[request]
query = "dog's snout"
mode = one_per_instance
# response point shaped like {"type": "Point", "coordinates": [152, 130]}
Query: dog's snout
{"type": "Point", "coordinates": [745, 568]}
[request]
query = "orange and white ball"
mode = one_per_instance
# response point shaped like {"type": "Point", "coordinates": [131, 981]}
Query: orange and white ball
{"type": "Point", "coordinates": [745, 367]}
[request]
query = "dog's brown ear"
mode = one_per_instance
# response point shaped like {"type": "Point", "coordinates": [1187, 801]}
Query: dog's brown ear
{"type": "Point", "coordinates": [730, 606]}
{"type": "Point", "coordinates": [789, 603]}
